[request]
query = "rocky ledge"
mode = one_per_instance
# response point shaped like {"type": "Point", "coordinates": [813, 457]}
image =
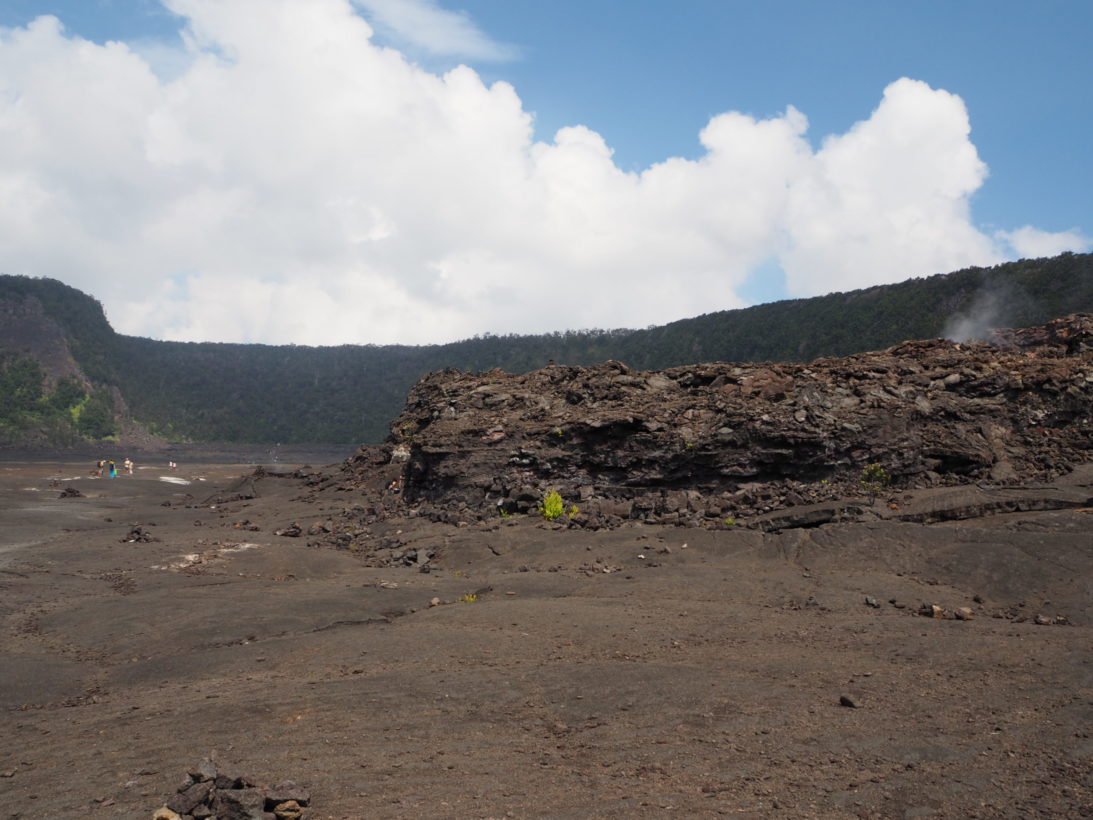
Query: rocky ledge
{"type": "Point", "coordinates": [721, 444]}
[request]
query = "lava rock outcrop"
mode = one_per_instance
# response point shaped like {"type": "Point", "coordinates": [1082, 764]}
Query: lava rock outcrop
{"type": "Point", "coordinates": [710, 442]}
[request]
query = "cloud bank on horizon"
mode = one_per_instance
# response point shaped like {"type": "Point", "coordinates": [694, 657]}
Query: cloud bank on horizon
{"type": "Point", "coordinates": [285, 178]}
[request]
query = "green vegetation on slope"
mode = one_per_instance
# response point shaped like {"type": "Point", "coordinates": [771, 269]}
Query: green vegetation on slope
{"type": "Point", "coordinates": [31, 412]}
{"type": "Point", "coordinates": [292, 394]}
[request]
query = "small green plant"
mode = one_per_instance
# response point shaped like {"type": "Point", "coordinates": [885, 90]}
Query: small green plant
{"type": "Point", "coordinates": [504, 513]}
{"type": "Point", "coordinates": [730, 521]}
{"type": "Point", "coordinates": [552, 507]}
{"type": "Point", "coordinates": [469, 598]}
{"type": "Point", "coordinates": [573, 510]}
{"type": "Point", "coordinates": [873, 479]}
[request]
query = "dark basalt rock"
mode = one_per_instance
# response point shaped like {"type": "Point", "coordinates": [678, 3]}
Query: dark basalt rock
{"type": "Point", "coordinates": [206, 792]}
{"type": "Point", "coordinates": [138, 534]}
{"type": "Point", "coordinates": [721, 444]}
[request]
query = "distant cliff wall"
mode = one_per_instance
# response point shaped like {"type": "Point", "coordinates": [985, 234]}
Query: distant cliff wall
{"type": "Point", "coordinates": [25, 327]}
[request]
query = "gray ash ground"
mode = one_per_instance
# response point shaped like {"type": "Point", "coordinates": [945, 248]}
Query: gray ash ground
{"type": "Point", "coordinates": [541, 671]}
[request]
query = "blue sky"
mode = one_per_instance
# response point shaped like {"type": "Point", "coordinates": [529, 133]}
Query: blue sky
{"type": "Point", "coordinates": [646, 77]}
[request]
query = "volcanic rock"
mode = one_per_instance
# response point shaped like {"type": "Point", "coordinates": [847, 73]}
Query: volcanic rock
{"type": "Point", "coordinates": [206, 792]}
{"type": "Point", "coordinates": [769, 445]}
{"type": "Point", "coordinates": [138, 534]}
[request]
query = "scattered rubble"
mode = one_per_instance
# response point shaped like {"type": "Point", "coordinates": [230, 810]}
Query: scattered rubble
{"type": "Point", "coordinates": [931, 611]}
{"type": "Point", "coordinates": [1045, 620]}
{"type": "Point", "coordinates": [70, 492]}
{"type": "Point", "coordinates": [138, 534]}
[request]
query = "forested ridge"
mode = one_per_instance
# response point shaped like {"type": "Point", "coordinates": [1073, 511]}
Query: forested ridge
{"type": "Point", "coordinates": [294, 394]}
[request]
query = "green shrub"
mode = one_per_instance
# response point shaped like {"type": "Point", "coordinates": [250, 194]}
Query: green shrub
{"type": "Point", "coordinates": [552, 507]}
{"type": "Point", "coordinates": [873, 479]}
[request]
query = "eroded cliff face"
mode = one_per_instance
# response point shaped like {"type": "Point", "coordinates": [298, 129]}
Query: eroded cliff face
{"type": "Point", "coordinates": [713, 441]}
{"type": "Point", "coordinates": [25, 328]}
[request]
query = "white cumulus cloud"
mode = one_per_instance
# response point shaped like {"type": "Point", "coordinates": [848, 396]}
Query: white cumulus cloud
{"type": "Point", "coordinates": [1032, 243]}
{"type": "Point", "coordinates": [424, 25]}
{"type": "Point", "coordinates": [888, 198]}
{"type": "Point", "coordinates": [289, 180]}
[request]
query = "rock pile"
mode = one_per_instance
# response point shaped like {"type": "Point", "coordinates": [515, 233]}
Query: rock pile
{"type": "Point", "coordinates": [720, 443]}
{"type": "Point", "coordinates": [138, 534]}
{"type": "Point", "coordinates": [207, 793]}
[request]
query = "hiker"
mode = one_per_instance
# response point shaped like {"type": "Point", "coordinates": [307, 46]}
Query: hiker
{"type": "Point", "coordinates": [128, 466]}
{"type": "Point", "coordinates": [99, 465]}
{"type": "Point", "coordinates": [113, 469]}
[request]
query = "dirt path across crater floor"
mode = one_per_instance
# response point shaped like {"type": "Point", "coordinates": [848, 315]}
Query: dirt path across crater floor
{"type": "Point", "coordinates": [647, 671]}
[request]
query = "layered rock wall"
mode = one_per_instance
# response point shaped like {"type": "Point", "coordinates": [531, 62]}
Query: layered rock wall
{"type": "Point", "coordinates": [722, 440]}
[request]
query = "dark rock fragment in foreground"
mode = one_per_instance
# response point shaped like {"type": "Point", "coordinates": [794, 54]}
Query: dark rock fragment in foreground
{"type": "Point", "coordinates": [184, 802]}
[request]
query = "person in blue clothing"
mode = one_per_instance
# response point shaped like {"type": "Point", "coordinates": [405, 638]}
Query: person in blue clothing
{"type": "Point", "coordinates": [113, 468]}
